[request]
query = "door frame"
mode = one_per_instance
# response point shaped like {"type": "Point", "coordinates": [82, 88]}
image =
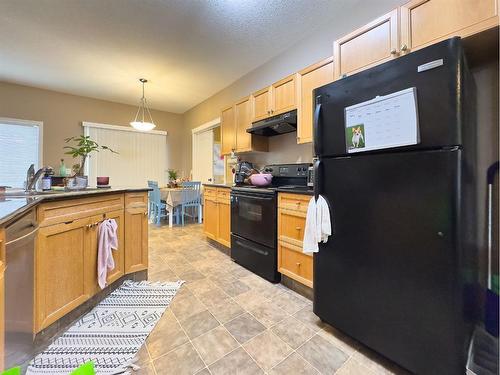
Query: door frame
{"type": "Point", "coordinates": [212, 124]}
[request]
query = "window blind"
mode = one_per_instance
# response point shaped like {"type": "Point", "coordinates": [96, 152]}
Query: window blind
{"type": "Point", "coordinates": [19, 148]}
{"type": "Point", "coordinates": [141, 156]}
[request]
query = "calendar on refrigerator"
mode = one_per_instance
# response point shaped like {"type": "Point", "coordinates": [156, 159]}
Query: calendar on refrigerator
{"type": "Point", "coordinates": [383, 122]}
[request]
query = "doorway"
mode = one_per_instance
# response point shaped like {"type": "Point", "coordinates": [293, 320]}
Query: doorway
{"type": "Point", "coordinates": [208, 163]}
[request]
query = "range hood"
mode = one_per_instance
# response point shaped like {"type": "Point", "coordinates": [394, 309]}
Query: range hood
{"type": "Point", "coordinates": [276, 125]}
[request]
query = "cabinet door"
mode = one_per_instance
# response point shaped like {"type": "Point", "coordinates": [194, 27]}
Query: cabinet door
{"type": "Point", "coordinates": [261, 104]}
{"type": "Point", "coordinates": [224, 217]}
{"type": "Point", "coordinates": [308, 79]}
{"type": "Point", "coordinates": [242, 115]}
{"type": "Point", "coordinates": [283, 95]}
{"type": "Point", "coordinates": [228, 131]}
{"type": "Point", "coordinates": [425, 22]}
{"type": "Point", "coordinates": [60, 263]}
{"type": "Point", "coordinates": [136, 235]}
{"type": "Point", "coordinates": [92, 248]}
{"type": "Point", "coordinates": [211, 217]}
{"type": "Point", "coordinates": [370, 45]}
{"type": "Point", "coordinates": [2, 299]}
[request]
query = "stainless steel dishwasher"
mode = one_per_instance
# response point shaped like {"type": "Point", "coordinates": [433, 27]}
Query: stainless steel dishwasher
{"type": "Point", "coordinates": [19, 289]}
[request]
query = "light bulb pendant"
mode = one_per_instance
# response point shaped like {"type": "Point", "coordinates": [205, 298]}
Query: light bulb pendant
{"type": "Point", "coordinates": [140, 122]}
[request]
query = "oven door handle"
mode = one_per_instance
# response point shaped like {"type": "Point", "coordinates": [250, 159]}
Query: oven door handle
{"type": "Point", "coordinates": [252, 248]}
{"type": "Point", "coordinates": [253, 197]}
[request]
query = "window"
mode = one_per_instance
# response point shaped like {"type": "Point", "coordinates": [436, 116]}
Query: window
{"type": "Point", "coordinates": [20, 146]}
{"type": "Point", "coordinates": [142, 156]}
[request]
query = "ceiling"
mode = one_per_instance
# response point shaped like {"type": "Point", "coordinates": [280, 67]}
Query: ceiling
{"type": "Point", "coordinates": [188, 49]}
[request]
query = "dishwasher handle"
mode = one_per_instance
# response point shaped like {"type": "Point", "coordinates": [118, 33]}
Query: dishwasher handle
{"type": "Point", "coordinates": [29, 234]}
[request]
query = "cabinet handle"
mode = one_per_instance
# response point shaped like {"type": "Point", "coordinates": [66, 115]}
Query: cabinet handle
{"type": "Point", "coordinates": [394, 52]}
{"type": "Point", "coordinates": [146, 213]}
{"type": "Point", "coordinates": [298, 264]}
{"type": "Point", "coordinates": [404, 48]}
{"type": "Point", "coordinates": [298, 228]}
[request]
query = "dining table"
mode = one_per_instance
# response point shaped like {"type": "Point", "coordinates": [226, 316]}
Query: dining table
{"type": "Point", "coordinates": [174, 197]}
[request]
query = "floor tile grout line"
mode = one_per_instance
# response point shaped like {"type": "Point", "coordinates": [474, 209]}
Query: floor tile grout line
{"type": "Point", "coordinates": [189, 340]}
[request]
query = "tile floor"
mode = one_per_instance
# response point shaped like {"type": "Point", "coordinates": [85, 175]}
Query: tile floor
{"type": "Point", "coordinates": [226, 320]}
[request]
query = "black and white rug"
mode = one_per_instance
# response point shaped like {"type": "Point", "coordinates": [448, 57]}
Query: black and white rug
{"type": "Point", "coordinates": [111, 334]}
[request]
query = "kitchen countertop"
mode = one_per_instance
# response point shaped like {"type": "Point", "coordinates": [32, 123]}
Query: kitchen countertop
{"type": "Point", "coordinates": [228, 186]}
{"type": "Point", "coordinates": [12, 206]}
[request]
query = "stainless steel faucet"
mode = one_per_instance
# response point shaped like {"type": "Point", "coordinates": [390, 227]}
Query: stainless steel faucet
{"type": "Point", "coordinates": [32, 177]}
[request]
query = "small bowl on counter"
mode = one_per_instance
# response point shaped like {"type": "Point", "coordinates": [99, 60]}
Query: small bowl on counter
{"type": "Point", "coordinates": [261, 179]}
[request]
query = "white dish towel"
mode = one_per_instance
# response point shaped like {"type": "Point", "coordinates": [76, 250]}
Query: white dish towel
{"type": "Point", "coordinates": [108, 239]}
{"type": "Point", "coordinates": [318, 225]}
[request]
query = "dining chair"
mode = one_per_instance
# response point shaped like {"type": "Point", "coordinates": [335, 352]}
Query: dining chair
{"type": "Point", "coordinates": [151, 185]}
{"type": "Point", "coordinates": [159, 206]}
{"type": "Point", "coordinates": [191, 198]}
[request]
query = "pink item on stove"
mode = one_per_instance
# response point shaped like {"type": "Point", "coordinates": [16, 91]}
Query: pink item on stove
{"type": "Point", "coordinates": [108, 240]}
{"type": "Point", "coordinates": [261, 179]}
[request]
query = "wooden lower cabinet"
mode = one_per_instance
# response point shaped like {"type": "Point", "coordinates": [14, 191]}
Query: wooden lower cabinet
{"type": "Point", "coordinates": [210, 217]}
{"type": "Point", "coordinates": [292, 262]}
{"type": "Point", "coordinates": [2, 299]}
{"type": "Point", "coordinates": [217, 214]}
{"type": "Point", "coordinates": [91, 285]}
{"type": "Point", "coordinates": [224, 223]}
{"type": "Point", "coordinates": [60, 267]}
{"type": "Point", "coordinates": [66, 254]}
{"type": "Point", "coordinates": [136, 235]}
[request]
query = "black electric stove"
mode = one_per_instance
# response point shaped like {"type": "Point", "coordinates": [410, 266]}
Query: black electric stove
{"type": "Point", "coordinates": [254, 219]}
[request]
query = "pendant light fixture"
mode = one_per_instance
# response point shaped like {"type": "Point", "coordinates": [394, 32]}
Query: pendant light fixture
{"type": "Point", "coordinates": [140, 122]}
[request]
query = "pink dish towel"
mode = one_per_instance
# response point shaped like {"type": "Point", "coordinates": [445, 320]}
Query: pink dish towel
{"type": "Point", "coordinates": [108, 240]}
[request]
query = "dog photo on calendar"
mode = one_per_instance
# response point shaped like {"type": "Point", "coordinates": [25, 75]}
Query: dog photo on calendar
{"type": "Point", "coordinates": [355, 136]}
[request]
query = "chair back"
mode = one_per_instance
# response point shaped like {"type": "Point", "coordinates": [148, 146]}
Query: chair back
{"type": "Point", "coordinates": [191, 193]}
{"type": "Point", "coordinates": [152, 185]}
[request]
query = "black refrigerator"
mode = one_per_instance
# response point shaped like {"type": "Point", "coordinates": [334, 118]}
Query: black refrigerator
{"type": "Point", "coordinates": [398, 273]}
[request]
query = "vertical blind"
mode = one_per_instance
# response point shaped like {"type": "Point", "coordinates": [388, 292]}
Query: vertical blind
{"type": "Point", "coordinates": [141, 156]}
{"type": "Point", "coordinates": [19, 148]}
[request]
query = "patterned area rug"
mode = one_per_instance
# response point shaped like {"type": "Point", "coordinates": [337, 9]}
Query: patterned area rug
{"type": "Point", "coordinates": [112, 333]}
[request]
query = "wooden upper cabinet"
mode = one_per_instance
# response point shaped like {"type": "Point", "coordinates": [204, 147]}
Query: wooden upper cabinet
{"type": "Point", "coordinates": [228, 131]}
{"type": "Point", "coordinates": [367, 46]}
{"type": "Point", "coordinates": [424, 22]}
{"type": "Point", "coordinates": [283, 95]}
{"type": "Point", "coordinates": [242, 111]}
{"type": "Point", "coordinates": [261, 104]}
{"type": "Point", "coordinates": [308, 79]}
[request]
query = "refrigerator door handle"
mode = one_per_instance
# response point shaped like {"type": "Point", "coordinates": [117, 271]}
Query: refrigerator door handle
{"type": "Point", "coordinates": [316, 167]}
{"type": "Point", "coordinates": [316, 132]}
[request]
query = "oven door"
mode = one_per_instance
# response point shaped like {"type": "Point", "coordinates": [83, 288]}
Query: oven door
{"type": "Point", "coordinates": [253, 216]}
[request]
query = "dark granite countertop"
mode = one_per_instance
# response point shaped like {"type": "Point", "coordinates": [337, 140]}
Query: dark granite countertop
{"type": "Point", "coordinates": [227, 186]}
{"type": "Point", "coordinates": [12, 206]}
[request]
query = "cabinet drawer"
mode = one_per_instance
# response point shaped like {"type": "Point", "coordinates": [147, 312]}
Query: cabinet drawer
{"type": "Point", "coordinates": [294, 202]}
{"type": "Point", "coordinates": [223, 195]}
{"type": "Point", "coordinates": [136, 200]}
{"type": "Point", "coordinates": [209, 191]}
{"type": "Point", "coordinates": [291, 225]}
{"type": "Point", "coordinates": [295, 264]}
{"type": "Point", "coordinates": [71, 209]}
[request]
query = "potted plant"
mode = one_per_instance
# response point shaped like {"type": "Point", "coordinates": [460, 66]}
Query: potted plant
{"type": "Point", "coordinates": [82, 148]}
{"type": "Point", "coordinates": [172, 178]}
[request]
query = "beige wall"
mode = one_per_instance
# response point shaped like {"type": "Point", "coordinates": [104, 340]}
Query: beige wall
{"type": "Point", "coordinates": [304, 53]}
{"type": "Point", "coordinates": [62, 116]}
